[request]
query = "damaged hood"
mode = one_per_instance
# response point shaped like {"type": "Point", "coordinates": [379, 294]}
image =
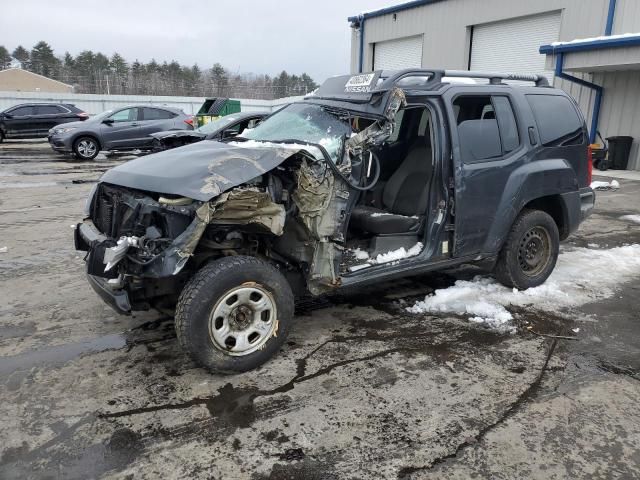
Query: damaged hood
{"type": "Point", "coordinates": [177, 133]}
{"type": "Point", "coordinates": [201, 171]}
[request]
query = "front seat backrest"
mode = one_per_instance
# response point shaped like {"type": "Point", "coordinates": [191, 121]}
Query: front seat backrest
{"type": "Point", "coordinates": [406, 192]}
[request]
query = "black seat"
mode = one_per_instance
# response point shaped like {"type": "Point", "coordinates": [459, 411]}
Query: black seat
{"type": "Point", "coordinates": [404, 197]}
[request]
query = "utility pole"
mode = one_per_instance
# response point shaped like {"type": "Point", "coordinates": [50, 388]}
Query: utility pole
{"type": "Point", "coordinates": [107, 77]}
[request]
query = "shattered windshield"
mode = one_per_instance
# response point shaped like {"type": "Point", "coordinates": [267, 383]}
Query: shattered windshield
{"type": "Point", "coordinates": [304, 123]}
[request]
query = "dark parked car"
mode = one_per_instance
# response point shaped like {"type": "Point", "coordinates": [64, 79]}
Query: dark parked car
{"type": "Point", "coordinates": [34, 120]}
{"type": "Point", "coordinates": [224, 127]}
{"type": "Point", "coordinates": [376, 176]}
{"type": "Point", "coordinates": [127, 128]}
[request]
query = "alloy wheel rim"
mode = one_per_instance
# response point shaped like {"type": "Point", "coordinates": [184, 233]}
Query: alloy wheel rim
{"type": "Point", "coordinates": [86, 148]}
{"type": "Point", "coordinates": [534, 251]}
{"type": "Point", "coordinates": [243, 320]}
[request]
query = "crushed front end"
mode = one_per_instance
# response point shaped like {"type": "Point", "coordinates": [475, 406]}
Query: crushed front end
{"type": "Point", "coordinates": [137, 243]}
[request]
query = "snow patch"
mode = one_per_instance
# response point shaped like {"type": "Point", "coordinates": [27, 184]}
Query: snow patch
{"type": "Point", "coordinates": [388, 257]}
{"type": "Point", "coordinates": [315, 151]}
{"type": "Point", "coordinates": [631, 218]}
{"type": "Point", "coordinates": [599, 185]}
{"type": "Point", "coordinates": [360, 254]}
{"type": "Point", "coordinates": [596, 39]}
{"type": "Point", "coordinates": [571, 284]}
{"type": "Point", "coordinates": [398, 254]}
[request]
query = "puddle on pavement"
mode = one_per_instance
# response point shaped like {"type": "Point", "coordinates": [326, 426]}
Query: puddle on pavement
{"type": "Point", "coordinates": [60, 354]}
{"type": "Point", "coordinates": [16, 331]}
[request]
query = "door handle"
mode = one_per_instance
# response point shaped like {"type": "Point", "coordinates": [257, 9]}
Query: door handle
{"type": "Point", "coordinates": [134, 124]}
{"type": "Point", "coordinates": [532, 136]}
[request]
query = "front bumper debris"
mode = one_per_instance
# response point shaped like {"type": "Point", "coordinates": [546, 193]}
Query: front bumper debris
{"type": "Point", "coordinates": [118, 299]}
{"type": "Point", "coordinates": [105, 252]}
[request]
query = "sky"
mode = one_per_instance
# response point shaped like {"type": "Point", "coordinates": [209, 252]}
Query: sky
{"type": "Point", "coordinates": [244, 36]}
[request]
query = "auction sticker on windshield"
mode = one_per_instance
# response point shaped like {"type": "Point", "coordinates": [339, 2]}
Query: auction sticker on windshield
{"type": "Point", "coordinates": [359, 83]}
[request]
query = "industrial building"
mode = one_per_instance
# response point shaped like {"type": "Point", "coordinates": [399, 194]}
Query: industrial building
{"type": "Point", "coordinates": [18, 80]}
{"type": "Point", "coordinates": [590, 48]}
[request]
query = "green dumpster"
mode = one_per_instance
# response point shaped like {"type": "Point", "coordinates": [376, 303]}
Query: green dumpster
{"type": "Point", "coordinates": [216, 107]}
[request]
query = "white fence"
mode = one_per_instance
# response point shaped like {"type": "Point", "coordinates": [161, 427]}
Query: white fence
{"type": "Point", "coordinates": [93, 104]}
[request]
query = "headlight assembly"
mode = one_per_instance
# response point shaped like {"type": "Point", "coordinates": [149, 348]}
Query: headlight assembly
{"type": "Point", "coordinates": [64, 130]}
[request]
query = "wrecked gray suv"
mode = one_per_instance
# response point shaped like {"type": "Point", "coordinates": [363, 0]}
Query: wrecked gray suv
{"type": "Point", "coordinates": [375, 176]}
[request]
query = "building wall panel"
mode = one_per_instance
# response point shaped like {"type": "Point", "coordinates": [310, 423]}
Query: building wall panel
{"type": "Point", "coordinates": [446, 26]}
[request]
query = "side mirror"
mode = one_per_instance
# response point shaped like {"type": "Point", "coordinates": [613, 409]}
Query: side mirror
{"type": "Point", "coordinates": [8, 115]}
{"type": "Point", "coordinates": [107, 121]}
{"type": "Point", "coordinates": [229, 133]}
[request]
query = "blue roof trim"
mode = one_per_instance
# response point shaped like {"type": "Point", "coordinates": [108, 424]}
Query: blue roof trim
{"type": "Point", "coordinates": [392, 9]}
{"type": "Point", "coordinates": [591, 45]}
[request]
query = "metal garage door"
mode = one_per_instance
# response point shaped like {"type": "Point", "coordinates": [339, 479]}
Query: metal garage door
{"type": "Point", "coordinates": [397, 54]}
{"type": "Point", "coordinates": [512, 45]}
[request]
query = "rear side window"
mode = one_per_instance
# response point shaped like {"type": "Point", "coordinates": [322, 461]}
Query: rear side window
{"type": "Point", "coordinates": [558, 122]}
{"type": "Point", "coordinates": [22, 111]}
{"type": "Point", "coordinates": [156, 114]}
{"type": "Point", "coordinates": [487, 127]}
{"type": "Point", "coordinates": [48, 110]}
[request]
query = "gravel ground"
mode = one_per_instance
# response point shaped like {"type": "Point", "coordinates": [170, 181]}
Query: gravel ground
{"type": "Point", "coordinates": [363, 389]}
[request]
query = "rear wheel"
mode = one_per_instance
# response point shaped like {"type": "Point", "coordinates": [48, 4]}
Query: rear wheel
{"type": "Point", "coordinates": [234, 314]}
{"type": "Point", "coordinates": [86, 148]}
{"type": "Point", "coordinates": [530, 253]}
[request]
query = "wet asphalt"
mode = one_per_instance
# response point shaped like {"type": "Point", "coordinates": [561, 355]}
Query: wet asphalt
{"type": "Point", "coordinates": [362, 389]}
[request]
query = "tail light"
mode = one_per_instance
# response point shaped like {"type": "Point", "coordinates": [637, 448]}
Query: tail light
{"type": "Point", "coordinates": [82, 115]}
{"type": "Point", "coordinates": [189, 121]}
{"type": "Point", "coordinates": [589, 165]}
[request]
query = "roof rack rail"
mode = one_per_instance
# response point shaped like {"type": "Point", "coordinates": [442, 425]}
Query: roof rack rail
{"type": "Point", "coordinates": [435, 76]}
{"type": "Point", "coordinates": [496, 78]}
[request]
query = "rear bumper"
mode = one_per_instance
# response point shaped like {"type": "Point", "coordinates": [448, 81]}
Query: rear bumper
{"type": "Point", "coordinates": [117, 299]}
{"type": "Point", "coordinates": [576, 207]}
{"type": "Point", "coordinates": [587, 202]}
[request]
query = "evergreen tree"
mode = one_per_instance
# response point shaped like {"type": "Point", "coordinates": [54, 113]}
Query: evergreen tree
{"type": "Point", "coordinates": [219, 79]}
{"type": "Point", "coordinates": [43, 61]}
{"type": "Point", "coordinates": [22, 55]}
{"type": "Point", "coordinates": [5, 58]}
{"type": "Point", "coordinates": [94, 72]}
{"type": "Point", "coordinates": [119, 65]}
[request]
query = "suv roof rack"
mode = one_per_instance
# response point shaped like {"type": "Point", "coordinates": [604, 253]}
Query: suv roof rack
{"type": "Point", "coordinates": [496, 78]}
{"type": "Point", "coordinates": [493, 77]}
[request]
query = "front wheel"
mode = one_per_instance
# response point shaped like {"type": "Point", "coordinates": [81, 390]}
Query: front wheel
{"type": "Point", "coordinates": [234, 314]}
{"type": "Point", "coordinates": [86, 148]}
{"type": "Point", "coordinates": [530, 253]}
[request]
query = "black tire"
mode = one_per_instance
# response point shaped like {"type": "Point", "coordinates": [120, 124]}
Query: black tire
{"type": "Point", "coordinates": [1, 136]}
{"type": "Point", "coordinates": [530, 252]}
{"type": "Point", "coordinates": [86, 148]}
{"type": "Point", "coordinates": [197, 330]}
